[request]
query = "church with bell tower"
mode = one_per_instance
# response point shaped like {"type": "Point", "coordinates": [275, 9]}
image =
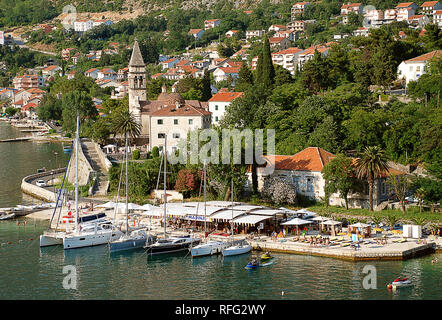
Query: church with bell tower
{"type": "Point", "coordinates": [137, 82]}
{"type": "Point", "coordinates": [172, 106]}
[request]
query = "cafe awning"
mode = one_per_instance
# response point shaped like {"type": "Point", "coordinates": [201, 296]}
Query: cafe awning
{"type": "Point", "coordinates": [251, 219]}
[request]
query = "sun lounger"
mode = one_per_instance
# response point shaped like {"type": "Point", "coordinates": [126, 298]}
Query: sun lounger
{"type": "Point", "coordinates": [345, 244]}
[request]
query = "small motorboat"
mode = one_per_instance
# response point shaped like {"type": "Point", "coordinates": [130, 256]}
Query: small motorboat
{"type": "Point", "coordinates": [254, 263]}
{"type": "Point", "coordinates": [6, 216]}
{"type": "Point", "coordinates": [400, 283]}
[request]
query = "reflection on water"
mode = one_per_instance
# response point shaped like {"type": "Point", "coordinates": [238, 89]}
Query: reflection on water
{"type": "Point", "coordinates": [30, 272]}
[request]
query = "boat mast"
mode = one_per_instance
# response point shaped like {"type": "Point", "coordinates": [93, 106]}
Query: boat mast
{"type": "Point", "coordinates": [204, 176]}
{"type": "Point", "coordinates": [231, 223]}
{"type": "Point", "coordinates": [127, 190]}
{"type": "Point", "coordinates": [165, 181]}
{"type": "Point", "coordinates": [76, 173]}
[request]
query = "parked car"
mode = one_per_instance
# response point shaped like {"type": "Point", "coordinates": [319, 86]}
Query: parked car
{"type": "Point", "coordinates": [41, 183]}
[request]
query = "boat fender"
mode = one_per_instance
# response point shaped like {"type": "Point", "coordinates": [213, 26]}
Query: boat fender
{"type": "Point", "coordinates": [389, 286]}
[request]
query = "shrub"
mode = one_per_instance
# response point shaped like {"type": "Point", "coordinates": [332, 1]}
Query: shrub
{"type": "Point", "coordinates": [155, 152]}
{"type": "Point", "coordinates": [136, 154]}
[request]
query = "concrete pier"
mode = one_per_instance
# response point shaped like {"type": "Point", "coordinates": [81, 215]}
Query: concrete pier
{"type": "Point", "coordinates": [367, 252]}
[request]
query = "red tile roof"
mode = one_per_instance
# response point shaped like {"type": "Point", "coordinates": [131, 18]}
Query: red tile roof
{"type": "Point", "coordinates": [225, 96]}
{"type": "Point", "coordinates": [426, 56]}
{"type": "Point", "coordinates": [195, 31]}
{"type": "Point", "coordinates": [230, 69]}
{"type": "Point", "coordinates": [186, 110]}
{"type": "Point", "coordinates": [289, 51]}
{"type": "Point", "coordinates": [309, 159]}
{"type": "Point", "coordinates": [404, 4]}
{"type": "Point", "coordinates": [429, 3]}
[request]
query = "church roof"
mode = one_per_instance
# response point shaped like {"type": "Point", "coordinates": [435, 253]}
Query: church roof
{"type": "Point", "coordinates": [136, 60]}
{"type": "Point", "coordinates": [170, 98]}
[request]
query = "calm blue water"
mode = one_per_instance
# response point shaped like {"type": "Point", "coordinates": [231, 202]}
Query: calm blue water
{"type": "Point", "coordinates": [19, 159]}
{"type": "Point", "coordinates": [29, 272]}
{"type": "Point", "coordinates": [33, 273]}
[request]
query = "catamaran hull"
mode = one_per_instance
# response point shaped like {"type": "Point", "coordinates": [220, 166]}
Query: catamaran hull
{"type": "Point", "coordinates": [89, 240]}
{"type": "Point", "coordinates": [50, 240]}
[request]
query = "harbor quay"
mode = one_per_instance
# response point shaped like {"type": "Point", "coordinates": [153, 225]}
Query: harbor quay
{"type": "Point", "coordinates": [395, 246]}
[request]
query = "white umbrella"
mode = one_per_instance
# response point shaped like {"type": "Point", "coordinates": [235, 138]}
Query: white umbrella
{"type": "Point", "coordinates": [360, 225]}
{"type": "Point", "coordinates": [319, 218]}
{"type": "Point", "coordinates": [147, 207]}
{"type": "Point", "coordinates": [296, 222]}
{"type": "Point", "coordinates": [305, 211]}
{"type": "Point", "coordinates": [109, 204]}
{"type": "Point", "coordinates": [331, 222]}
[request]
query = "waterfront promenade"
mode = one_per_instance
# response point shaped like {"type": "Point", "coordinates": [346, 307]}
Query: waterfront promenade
{"type": "Point", "coordinates": [396, 247]}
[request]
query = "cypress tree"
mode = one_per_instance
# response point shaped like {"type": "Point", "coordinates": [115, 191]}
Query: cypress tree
{"type": "Point", "coordinates": [259, 68]}
{"type": "Point", "coordinates": [206, 92]}
{"type": "Point", "coordinates": [245, 78]}
{"type": "Point", "coordinates": [268, 71]}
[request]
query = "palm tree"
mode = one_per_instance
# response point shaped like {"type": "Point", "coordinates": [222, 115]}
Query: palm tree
{"type": "Point", "coordinates": [123, 123]}
{"type": "Point", "coordinates": [420, 194]}
{"type": "Point", "coordinates": [392, 220]}
{"type": "Point", "coordinates": [420, 221]}
{"type": "Point", "coordinates": [371, 165]}
{"type": "Point", "coordinates": [376, 220]}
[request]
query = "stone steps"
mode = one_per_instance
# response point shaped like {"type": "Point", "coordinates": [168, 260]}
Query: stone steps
{"type": "Point", "coordinates": [102, 182]}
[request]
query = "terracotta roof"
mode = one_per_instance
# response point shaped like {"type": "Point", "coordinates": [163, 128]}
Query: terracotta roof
{"type": "Point", "coordinates": [425, 57]}
{"type": "Point", "coordinates": [35, 91]}
{"type": "Point", "coordinates": [437, 12]}
{"type": "Point", "coordinates": [184, 110]}
{"type": "Point", "coordinates": [276, 39]}
{"type": "Point", "coordinates": [195, 31]}
{"type": "Point", "coordinates": [404, 4]}
{"type": "Point", "coordinates": [300, 3]}
{"type": "Point", "coordinates": [170, 60]}
{"type": "Point", "coordinates": [349, 5]}
{"type": "Point", "coordinates": [182, 63]}
{"type": "Point", "coordinates": [288, 51]}
{"type": "Point", "coordinates": [230, 69]}
{"type": "Point", "coordinates": [91, 70]}
{"type": "Point", "coordinates": [309, 159]}
{"type": "Point", "coordinates": [211, 20]}
{"type": "Point", "coordinates": [417, 16]}
{"type": "Point", "coordinates": [28, 106]}
{"type": "Point", "coordinates": [226, 96]}
{"type": "Point", "coordinates": [429, 3]}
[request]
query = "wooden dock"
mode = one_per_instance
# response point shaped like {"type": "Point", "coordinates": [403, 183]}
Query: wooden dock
{"type": "Point", "coordinates": [20, 139]}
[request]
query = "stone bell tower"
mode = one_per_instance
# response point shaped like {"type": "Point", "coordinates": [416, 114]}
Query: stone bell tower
{"type": "Point", "coordinates": [137, 82]}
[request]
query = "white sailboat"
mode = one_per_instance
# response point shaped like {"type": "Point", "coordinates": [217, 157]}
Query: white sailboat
{"type": "Point", "coordinates": [96, 232]}
{"type": "Point", "coordinates": [130, 240]}
{"type": "Point", "coordinates": [236, 249]}
{"type": "Point", "coordinates": [173, 244]}
{"type": "Point", "coordinates": [209, 247]}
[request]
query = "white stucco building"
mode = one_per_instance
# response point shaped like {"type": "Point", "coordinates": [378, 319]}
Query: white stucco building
{"type": "Point", "coordinates": [219, 103]}
{"type": "Point", "coordinates": [413, 69]}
